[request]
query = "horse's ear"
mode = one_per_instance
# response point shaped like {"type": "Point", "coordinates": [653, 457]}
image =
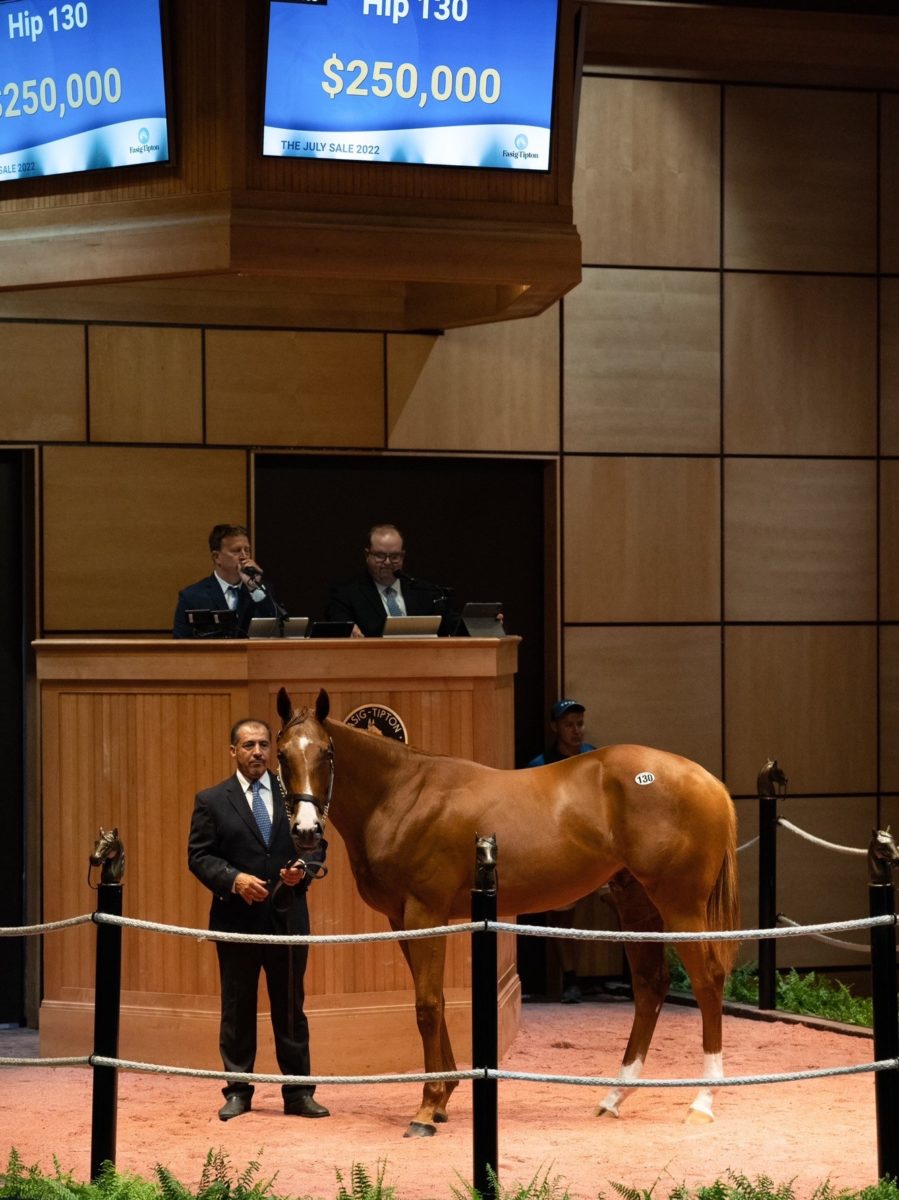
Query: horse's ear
{"type": "Point", "coordinates": [285, 709]}
{"type": "Point", "coordinates": [322, 705]}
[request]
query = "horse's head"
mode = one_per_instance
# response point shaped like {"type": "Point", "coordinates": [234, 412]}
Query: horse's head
{"type": "Point", "coordinates": [305, 768]}
{"type": "Point", "coordinates": [883, 855]}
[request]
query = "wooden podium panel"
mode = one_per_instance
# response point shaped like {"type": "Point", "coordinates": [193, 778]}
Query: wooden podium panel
{"type": "Point", "coordinates": [132, 729]}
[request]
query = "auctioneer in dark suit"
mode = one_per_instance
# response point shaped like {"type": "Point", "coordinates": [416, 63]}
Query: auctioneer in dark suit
{"type": "Point", "coordinates": [225, 841]}
{"type": "Point", "coordinates": [207, 593]}
{"type": "Point", "coordinates": [358, 600]}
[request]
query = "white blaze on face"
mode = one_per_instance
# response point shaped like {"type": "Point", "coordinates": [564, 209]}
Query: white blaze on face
{"type": "Point", "coordinates": [611, 1101]}
{"type": "Point", "coordinates": [305, 820]}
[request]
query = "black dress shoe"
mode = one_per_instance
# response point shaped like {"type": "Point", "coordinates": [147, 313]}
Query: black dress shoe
{"type": "Point", "coordinates": [305, 1106]}
{"type": "Point", "coordinates": [234, 1106]}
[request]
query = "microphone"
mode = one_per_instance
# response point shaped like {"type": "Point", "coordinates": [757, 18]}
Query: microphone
{"type": "Point", "coordinates": [250, 571]}
{"type": "Point", "coordinates": [404, 577]}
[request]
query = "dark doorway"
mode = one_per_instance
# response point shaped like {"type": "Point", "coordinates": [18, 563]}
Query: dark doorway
{"type": "Point", "coordinates": [13, 643]}
{"type": "Point", "coordinates": [475, 525]}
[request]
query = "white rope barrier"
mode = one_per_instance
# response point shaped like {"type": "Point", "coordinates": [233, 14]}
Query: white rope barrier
{"type": "Point", "coordinates": [790, 930]}
{"type": "Point", "coordinates": [546, 931]}
{"type": "Point", "coordinates": [751, 842]}
{"type": "Point", "coordinates": [819, 937]}
{"type": "Point", "coordinates": [885, 1064]}
{"type": "Point", "coordinates": [48, 927]}
{"type": "Point", "coordinates": [98, 1060]}
{"type": "Point", "coordinates": [289, 939]}
{"type": "Point", "coordinates": [810, 837]}
{"type": "Point", "coordinates": [712, 935]}
{"type": "Point", "coordinates": [45, 1062]}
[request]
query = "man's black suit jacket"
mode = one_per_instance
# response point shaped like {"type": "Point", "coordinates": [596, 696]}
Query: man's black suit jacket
{"type": "Point", "coordinates": [207, 593]}
{"type": "Point", "coordinates": [359, 600]}
{"type": "Point", "coordinates": [224, 840]}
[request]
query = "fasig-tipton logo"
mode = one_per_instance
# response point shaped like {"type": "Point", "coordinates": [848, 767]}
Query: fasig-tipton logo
{"type": "Point", "coordinates": [375, 718]}
{"type": "Point", "coordinates": [145, 146]}
{"type": "Point", "coordinates": [521, 148]}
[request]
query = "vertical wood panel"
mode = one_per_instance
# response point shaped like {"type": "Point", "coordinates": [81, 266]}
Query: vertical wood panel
{"type": "Point", "coordinates": [889, 366]}
{"type": "Point", "coordinates": [799, 180]}
{"type": "Point", "coordinates": [641, 539]}
{"type": "Point", "coordinates": [642, 363]}
{"type": "Point", "coordinates": [889, 540]}
{"type": "Point", "coordinates": [43, 387]}
{"type": "Point", "coordinates": [818, 717]}
{"type": "Point", "coordinates": [490, 387]}
{"type": "Point", "coordinates": [652, 686]}
{"type": "Point", "coordinates": [146, 384]}
{"type": "Point", "coordinates": [800, 540]}
{"type": "Point", "coordinates": [124, 529]}
{"type": "Point", "coordinates": [295, 389]}
{"type": "Point", "coordinates": [800, 365]}
{"type": "Point", "coordinates": [646, 184]}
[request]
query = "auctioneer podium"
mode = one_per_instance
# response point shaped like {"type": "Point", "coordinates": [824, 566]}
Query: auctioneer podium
{"type": "Point", "coordinates": [132, 729]}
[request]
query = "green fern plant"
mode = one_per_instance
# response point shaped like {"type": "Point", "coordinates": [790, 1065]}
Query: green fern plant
{"type": "Point", "coordinates": [361, 1184]}
{"type": "Point", "coordinates": [542, 1186]}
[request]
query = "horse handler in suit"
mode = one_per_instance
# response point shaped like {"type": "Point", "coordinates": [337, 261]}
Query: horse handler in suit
{"type": "Point", "coordinates": [239, 847]}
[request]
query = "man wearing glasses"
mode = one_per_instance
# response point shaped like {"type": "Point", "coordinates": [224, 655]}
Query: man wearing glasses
{"type": "Point", "coordinates": [386, 590]}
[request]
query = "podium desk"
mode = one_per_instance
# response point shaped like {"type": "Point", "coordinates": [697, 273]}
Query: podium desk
{"type": "Point", "coordinates": [132, 728]}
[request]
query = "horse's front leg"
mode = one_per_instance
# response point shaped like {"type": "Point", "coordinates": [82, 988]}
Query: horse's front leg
{"type": "Point", "coordinates": [426, 958]}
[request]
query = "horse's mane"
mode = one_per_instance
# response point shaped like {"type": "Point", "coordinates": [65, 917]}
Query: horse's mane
{"type": "Point", "coordinates": [388, 747]}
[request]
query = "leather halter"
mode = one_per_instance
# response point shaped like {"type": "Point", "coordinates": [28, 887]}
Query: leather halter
{"type": "Point", "coordinates": [294, 798]}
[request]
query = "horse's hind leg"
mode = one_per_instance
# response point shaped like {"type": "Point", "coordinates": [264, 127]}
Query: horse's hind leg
{"type": "Point", "coordinates": [649, 979]}
{"type": "Point", "coordinates": [707, 975]}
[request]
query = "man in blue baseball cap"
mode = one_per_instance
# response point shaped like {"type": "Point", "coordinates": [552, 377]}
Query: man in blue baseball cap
{"type": "Point", "coordinates": [566, 720]}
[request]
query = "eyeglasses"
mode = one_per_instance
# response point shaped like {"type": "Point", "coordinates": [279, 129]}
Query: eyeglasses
{"type": "Point", "coordinates": [380, 557]}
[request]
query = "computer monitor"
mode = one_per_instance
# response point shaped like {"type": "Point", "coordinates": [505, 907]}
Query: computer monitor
{"type": "Point", "coordinates": [213, 623]}
{"type": "Point", "coordinates": [273, 627]}
{"type": "Point", "coordinates": [411, 627]}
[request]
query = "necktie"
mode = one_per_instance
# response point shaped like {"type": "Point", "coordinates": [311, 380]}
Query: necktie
{"type": "Point", "coordinates": [392, 606]}
{"type": "Point", "coordinates": [260, 812]}
{"type": "Point", "coordinates": [233, 593]}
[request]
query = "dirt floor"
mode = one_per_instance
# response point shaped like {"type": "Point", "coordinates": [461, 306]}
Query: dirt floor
{"type": "Point", "coordinates": [806, 1132]}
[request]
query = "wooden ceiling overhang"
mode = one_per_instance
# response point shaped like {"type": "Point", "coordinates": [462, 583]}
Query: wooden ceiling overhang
{"type": "Point", "coordinates": [225, 237]}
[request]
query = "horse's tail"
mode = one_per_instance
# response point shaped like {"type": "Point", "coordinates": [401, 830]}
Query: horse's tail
{"type": "Point", "coordinates": [723, 906]}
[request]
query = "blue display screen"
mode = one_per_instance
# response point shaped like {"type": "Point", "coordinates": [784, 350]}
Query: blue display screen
{"type": "Point", "coordinates": [465, 83]}
{"type": "Point", "coordinates": [82, 86]}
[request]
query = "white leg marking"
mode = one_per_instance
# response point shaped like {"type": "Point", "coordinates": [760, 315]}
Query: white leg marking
{"type": "Point", "coordinates": [611, 1102]}
{"type": "Point", "coordinates": [713, 1068]}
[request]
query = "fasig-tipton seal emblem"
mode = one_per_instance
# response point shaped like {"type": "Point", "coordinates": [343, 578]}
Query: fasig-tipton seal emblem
{"type": "Point", "coordinates": [378, 719]}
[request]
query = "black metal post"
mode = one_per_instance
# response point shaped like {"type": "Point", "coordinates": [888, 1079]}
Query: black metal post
{"type": "Point", "coordinates": [767, 793]}
{"type": "Point", "coordinates": [484, 1037]}
{"type": "Point", "coordinates": [882, 902]}
{"type": "Point", "coordinates": [108, 990]}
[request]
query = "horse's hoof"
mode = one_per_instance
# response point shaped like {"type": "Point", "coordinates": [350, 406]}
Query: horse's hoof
{"type": "Point", "coordinates": [602, 1111]}
{"type": "Point", "coordinates": [699, 1116]}
{"type": "Point", "coordinates": [419, 1129]}
{"type": "Point", "coordinates": [440, 1117]}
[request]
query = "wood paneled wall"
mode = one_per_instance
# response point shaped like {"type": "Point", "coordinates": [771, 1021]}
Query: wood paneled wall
{"type": "Point", "coordinates": [721, 395]}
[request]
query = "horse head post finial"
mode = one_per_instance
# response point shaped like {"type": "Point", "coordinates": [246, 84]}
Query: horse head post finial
{"type": "Point", "coordinates": [882, 855]}
{"type": "Point", "coordinates": [771, 781]}
{"type": "Point", "coordinates": [485, 863]}
{"type": "Point", "coordinates": [109, 855]}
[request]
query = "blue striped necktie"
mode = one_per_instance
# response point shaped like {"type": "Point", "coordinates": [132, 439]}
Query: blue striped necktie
{"type": "Point", "coordinates": [260, 812]}
{"type": "Point", "coordinates": [392, 605]}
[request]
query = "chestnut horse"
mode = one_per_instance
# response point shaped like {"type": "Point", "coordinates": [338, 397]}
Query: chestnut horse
{"type": "Point", "coordinates": [658, 827]}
